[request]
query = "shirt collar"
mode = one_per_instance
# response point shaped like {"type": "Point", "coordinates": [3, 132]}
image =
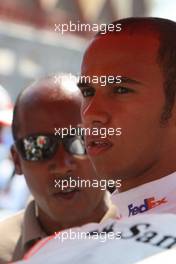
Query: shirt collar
{"type": "Point", "coordinates": [31, 229]}
{"type": "Point", "coordinates": [154, 197]}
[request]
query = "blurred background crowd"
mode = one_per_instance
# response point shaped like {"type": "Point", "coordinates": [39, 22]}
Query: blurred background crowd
{"type": "Point", "coordinates": [31, 48]}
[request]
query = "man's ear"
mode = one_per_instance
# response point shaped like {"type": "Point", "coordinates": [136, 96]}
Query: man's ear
{"type": "Point", "coordinates": [16, 160]}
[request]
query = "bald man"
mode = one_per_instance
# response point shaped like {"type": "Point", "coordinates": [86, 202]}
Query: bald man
{"type": "Point", "coordinates": [46, 159]}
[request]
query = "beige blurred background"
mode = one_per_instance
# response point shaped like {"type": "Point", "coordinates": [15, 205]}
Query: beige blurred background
{"type": "Point", "coordinates": [30, 48]}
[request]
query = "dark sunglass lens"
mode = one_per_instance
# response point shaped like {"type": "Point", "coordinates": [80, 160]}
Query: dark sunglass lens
{"type": "Point", "coordinates": [39, 147]}
{"type": "Point", "coordinates": [75, 145]}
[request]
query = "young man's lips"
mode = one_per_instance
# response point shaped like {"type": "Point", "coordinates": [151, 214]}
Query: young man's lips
{"type": "Point", "coordinates": [97, 146]}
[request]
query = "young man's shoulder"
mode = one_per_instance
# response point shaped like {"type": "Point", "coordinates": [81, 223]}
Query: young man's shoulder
{"type": "Point", "coordinates": [10, 232]}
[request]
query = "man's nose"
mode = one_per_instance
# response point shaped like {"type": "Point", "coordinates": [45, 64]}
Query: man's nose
{"type": "Point", "coordinates": [95, 112]}
{"type": "Point", "coordinates": [63, 161]}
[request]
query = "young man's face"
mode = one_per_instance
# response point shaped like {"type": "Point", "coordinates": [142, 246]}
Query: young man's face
{"type": "Point", "coordinates": [134, 105]}
{"type": "Point", "coordinates": [67, 208]}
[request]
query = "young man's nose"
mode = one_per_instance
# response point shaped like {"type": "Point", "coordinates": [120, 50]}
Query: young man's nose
{"type": "Point", "coordinates": [95, 112]}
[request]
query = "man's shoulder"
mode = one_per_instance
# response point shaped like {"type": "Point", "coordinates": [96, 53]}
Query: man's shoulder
{"type": "Point", "coordinates": [10, 232]}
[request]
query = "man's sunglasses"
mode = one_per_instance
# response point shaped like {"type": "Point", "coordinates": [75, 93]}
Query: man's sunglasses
{"type": "Point", "coordinates": [43, 147]}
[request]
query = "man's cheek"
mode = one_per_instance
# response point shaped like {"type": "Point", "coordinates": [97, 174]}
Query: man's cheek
{"type": "Point", "coordinates": [34, 181]}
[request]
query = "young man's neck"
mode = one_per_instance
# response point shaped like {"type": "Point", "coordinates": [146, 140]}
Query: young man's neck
{"type": "Point", "coordinates": [146, 177]}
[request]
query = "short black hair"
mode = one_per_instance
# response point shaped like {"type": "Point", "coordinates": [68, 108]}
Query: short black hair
{"type": "Point", "coordinates": [165, 30]}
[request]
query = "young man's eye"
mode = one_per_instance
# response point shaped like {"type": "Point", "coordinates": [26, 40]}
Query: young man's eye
{"type": "Point", "coordinates": [122, 90]}
{"type": "Point", "coordinates": [87, 92]}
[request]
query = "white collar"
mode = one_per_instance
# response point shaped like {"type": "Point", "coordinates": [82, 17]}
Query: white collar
{"type": "Point", "coordinates": [154, 197]}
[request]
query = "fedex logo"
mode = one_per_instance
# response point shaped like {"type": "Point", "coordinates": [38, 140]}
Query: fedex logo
{"type": "Point", "coordinates": [148, 204]}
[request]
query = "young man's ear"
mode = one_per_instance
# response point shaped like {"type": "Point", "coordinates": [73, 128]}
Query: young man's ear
{"type": "Point", "coordinates": [16, 160]}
